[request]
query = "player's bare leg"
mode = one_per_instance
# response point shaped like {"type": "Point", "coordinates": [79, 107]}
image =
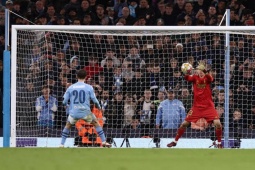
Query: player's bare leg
{"type": "Point", "coordinates": [65, 133]}
{"type": "Point", "coordinates": [218, 132]}
{"type": "Point", "coordinates": [100, 132]}
{"type": "Point", "coordinates": [180, 132]}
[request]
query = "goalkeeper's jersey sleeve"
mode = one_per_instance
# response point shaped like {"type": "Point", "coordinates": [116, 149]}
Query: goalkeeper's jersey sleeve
{"type": "Point", "coordinates": [202, 92]}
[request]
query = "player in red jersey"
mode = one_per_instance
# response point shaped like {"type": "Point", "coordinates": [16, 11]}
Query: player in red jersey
{"type": "Point", "coordinates": [203, 106]}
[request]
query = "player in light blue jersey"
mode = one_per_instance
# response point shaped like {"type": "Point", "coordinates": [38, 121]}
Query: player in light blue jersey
{"type": "Point", "coordinates": [79, 95]}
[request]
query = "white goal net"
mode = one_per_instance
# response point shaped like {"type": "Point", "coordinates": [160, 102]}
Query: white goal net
{"type": "Point", "coordinates": [131, 70]}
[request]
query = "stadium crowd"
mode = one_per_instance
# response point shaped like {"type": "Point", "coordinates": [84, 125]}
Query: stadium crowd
{"type": "Point", "coordinates": [130, 74]}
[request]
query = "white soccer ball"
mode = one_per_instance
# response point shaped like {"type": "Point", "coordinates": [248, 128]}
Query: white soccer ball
{"type": "Point", "coordinates": [185, 67]}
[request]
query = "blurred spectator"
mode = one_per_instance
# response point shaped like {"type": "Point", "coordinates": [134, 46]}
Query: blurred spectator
{"type": "Point", "coordinates": [211, 18]}
{"type": "Point", "coordinates": [168, 17]}
{"type": "Point", "coordinates": [188, 13]}
{"type": "Point", "coordinates": [132, 7]}
{"type": "Point", "coordinates": [75, 49]}
{"type": "Point", "coordinates": [220, 100]}
{"type": "Point", "coordinates": [118, 6]}
{"type": "Point", "coordinates": [171, 112]}
{"type": "Point", "coordinates": [251, 117]}
{"type": "Point", "coordinates": [51, 13]}
{"type": "Point", "coordinates": [160, 9]}
{"type": "Point", "coordinates": [104, 99]}
{"type": "Point", "coordinates": [2, 21]}
{"type": "Point", "coordinates": [73, 4]}
{"type": "Point", "coordinates": [157, 80]}
{"type": "Point", "coordinates": [87, 20]}
{"type": "Point", "coordinates": [234, 18]}
{"type": "Point", "coordinates": [175, 82]}
{"type": "Point", "coordinates": [138, 83]}
{"type": "Point", "coordinates": [26, 97]}
{"type": "Point", "coordinates": [135, 123]}
{"type": "Point", "coordinates": [128, 74]}
{"type": "Point", "coordinates": [110, 56]}
{"type": "Point", "coordinates": [118, 80]}
{"type": "Point", "coordinates": [200, 5]}
{"type": "Point", "coordinates": [178, 7]}
{"type": "Point", "coordinates": [100, 15]}
{"type": "Point", "coordinates": [93, 67]}
{"type": "Point", "coordinates": [161, 96]}
{"type": "Point", "coordinates": [76, 21]}
{"type": "Point", "coordinates": [71, 14]}
{"type": "Point", "coordinates": [129, 109]}
{"type": "Point", "coordinates": [200, 16]}
{"type": "Point", "coordinates": [92, 4]}
{"type": "Point", "coordinates": [221, 7]}
{"type": "Point", "coordinates": [38, 10]}
{"type": "Point", "coordinates": [134, 57]}
{"type": "Point", "coordinates": [74, 64]}
{"type": "Point", "coordinates": [171, 66]}
{"type": "Point", "coordinates": [143, 109]}
{"type": "Point", "coordinates": [236, 123]}
{"type": "Point", "coordinates": [122, 52]}
{"type": "Point", "coordinates": [9, 5]}
{"type": "Point", "coordinates": [84, 8]}
{"type": "Point", "coordinates": [45, 106]}
{"type": "Point", "coordinates": [41, 19]}
{"type": "Point", "coordinates": [114, 113]}
{"type": "Point", "coordinates": [126, 15]}
{"type": "Point", "coordinates": [145, 10]}
{"type": "Point", "coordinates": [179, 53]}
{"type": "Point", "coordinates": [186, 98]}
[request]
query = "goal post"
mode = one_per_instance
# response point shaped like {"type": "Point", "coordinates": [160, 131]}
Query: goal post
{"type": "Point", "coordinates": [165, 41]}
{"type": "Point", "coordinates": [6, 84]}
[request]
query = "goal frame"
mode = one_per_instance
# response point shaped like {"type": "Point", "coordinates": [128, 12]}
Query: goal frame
{"type": "Point", "coordinates": [15, 28]}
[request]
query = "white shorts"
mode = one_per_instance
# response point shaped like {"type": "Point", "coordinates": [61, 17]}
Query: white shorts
{"type": "Point", "coordinates": [89, 118]}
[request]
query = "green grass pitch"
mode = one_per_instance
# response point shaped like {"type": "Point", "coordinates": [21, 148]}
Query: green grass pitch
{"type": "Point", "coordinates": [125, 159]}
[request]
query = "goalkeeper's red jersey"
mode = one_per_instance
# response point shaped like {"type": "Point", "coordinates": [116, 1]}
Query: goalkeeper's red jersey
{"type": "Point", "coordinates": [201, 91]}
{"type": "Point", "coordinates": [203, 106]}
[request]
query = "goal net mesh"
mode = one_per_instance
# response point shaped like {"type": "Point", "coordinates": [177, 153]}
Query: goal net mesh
{"type": "Point", "coordinates": [131, 72]}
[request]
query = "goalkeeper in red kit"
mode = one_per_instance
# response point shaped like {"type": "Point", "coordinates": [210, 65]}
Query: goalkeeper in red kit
{"type": "Point", "coordinates": [203, 106]}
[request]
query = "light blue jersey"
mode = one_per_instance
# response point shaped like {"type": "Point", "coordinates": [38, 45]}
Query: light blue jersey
{"type": "Point", "coordinates": [45, 110]}
{"type": "Point", "coordinates": [80, 95]}
{"type": "Point", "coordinates": [171, 113]}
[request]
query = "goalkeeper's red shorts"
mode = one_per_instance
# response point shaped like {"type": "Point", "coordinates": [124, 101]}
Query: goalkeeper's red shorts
{"type": "Point", "coordinates": [209, 114]}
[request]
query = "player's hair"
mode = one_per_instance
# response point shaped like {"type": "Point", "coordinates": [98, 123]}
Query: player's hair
{"type": "Point", "coordinates": [238, 110]}
{"type": "Point", "coordinates": [221, 91]}
{"type": "Point", "coordinates": [147, 90]}
{"type": "Point", "coordinates": [45, 87]}
{"type": "Point", "coordinates": [81, 74]}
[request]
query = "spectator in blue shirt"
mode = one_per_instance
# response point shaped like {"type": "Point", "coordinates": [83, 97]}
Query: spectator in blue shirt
{"type": "Point", "coordinates": [45, 106]}
{"type": "Point", "coordinates": [171, 112]}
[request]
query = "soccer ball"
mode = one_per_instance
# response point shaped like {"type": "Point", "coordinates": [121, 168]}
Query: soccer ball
{"type": "Point", "coordinates": [185, 67]}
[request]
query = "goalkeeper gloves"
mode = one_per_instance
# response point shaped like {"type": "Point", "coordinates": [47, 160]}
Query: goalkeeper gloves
{"type": "Point", "coordinates": [189, 71]}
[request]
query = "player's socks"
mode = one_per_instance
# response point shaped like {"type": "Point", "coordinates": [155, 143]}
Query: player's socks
{"type": "Point", "coordinates": [65, 134]}
{"type": "Point", "coordinates": [180, 132]}
{"type": "Point", "coordinates": [100, 132]}
{"type": "Point", "coordinates": [218, 132]}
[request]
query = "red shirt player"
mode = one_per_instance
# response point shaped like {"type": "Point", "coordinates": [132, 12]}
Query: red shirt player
{"type": "Point", "coordinates": [203, 106]}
